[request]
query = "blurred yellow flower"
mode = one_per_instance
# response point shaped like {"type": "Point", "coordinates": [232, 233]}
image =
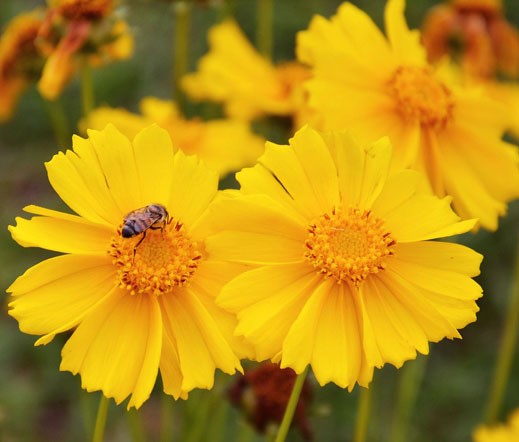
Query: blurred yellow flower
{"type": "Point", "coordinates": [346, 279]}
{"type": "Point", "coordinates": [20, 61]}
{"type": "Point", "coordinates": [136, 304]}
{"type": "Point", "coordinates": [87, 29]}
{"type": "Point", "coordinates": [225, 145]}
{"type": "Point", "coordinates": [376, 86]}
{"type": "Point", "coordinates": [249, 85]}
{"type": "Point", "coordinates": [499, 433]}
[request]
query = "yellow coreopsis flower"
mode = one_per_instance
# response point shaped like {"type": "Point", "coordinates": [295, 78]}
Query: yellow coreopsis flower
{"type": "Point", "coordinates": [499, 433]}
{"type": "Point", "coordinates": [20, 61]}
{"type": "Point", "coordinates": [346, 279]}
{"type": "Point", "coordinates": [249, 85]}
{"type": "Point", "coordinates": [377, 86]}
{"type": "Point", "coordinates": [224, 145]}
{"type": "Point", "coordinates": [135, 281]}
{"type": "Point", "coordinates": [89, 29]}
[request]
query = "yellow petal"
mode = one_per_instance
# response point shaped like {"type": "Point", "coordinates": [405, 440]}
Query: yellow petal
{"type": "Point", "coordinates": [384, 339]}
{"type": "Point", "coordinates": [306, 171]}
{"type": "Point", "coordinates": [423, 217]}
{"type": "Point", "coordinates": [170, 368]}
{"type": "Point", "coordinates": [274, 308]}
{"type": "Point", "coordinates": [254, 229]}
{"type": "Point", "coordinates": [299, 344]}
{"type": "Point", "coordinates": [154, 159]}
{"type": "Point", "coordinates": [117, 348]}
{"type": "Point", "coordinates": [193, 187]}
{"type": "Point", "coordinates": [54, 295]}
{"type": "Point", "coordinates": [441, 255]}
{"type": "Point", "coordinates": [66, 234]}
{"type": "Point", "coordinates": [118, 165]}
{"type": "Point", "coordinates": [405, 43]}
{"type": "Point", "coordinates": [201, 347]}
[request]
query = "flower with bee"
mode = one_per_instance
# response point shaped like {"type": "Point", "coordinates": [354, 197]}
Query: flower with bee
{"type": "Point", "coordinates": [134, 281]}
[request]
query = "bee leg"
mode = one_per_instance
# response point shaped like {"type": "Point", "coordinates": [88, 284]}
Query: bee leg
{"type": "Point", "coordinates": [137, 245]}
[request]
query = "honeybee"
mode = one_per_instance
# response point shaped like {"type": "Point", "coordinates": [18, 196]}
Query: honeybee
{"type": "Point", "coordinates": [154, 216]}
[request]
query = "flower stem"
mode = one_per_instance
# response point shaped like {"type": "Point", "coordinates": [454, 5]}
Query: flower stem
{"type": "Point", "coordinates": [410, 378]}
{"type": "Point", "coordinates": [506, 351]}
{"type": "Point", "coordinates": [102, 413]}
{"type": "Point", "coordinates": [166, 418]}
{"type": "Point", "coordinates": [361, 424]}
{"type": "Point", "coordinates": [291, 406]}
{"type": "Point", "coordinates": [59, 121]}
{"type": "Point", "coordinates": [136, 428]}
{"type": "Point", "coordinates": [182, 13]}
{"type": "Point", "coordinates": [264, 27]}
{"type": "Point", "coordinates": [87, 87]}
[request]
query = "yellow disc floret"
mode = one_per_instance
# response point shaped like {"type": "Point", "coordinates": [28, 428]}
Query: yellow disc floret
{"type": "Point", "coordinates": [348, 246]}
{"type": "Point", "coordinates": [165, 259]}
{"type": "Point", "coordinates": [419, 97]}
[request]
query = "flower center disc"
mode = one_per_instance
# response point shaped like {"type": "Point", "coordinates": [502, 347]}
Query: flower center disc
{"type": "Point", "coordinates": [165, 259]}
{"type": "Point", "coordinates": [420, 97]}
{"type": "Point", "coordinates": [348, 246]}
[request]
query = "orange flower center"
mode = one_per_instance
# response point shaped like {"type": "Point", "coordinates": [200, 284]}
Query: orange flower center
{"type": "Point", "coordinates": [166, 258]}
{"type": "Point", "coordinates": [348, 246]}
{"type": "Point", "coordinates": [85, 9]}
{"type": "Point", "coordinates": [419, 97]}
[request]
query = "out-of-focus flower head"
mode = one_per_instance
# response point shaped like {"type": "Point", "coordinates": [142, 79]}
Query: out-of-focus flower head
{"type": "Point", "coordinates": [20, 61]}
{"type": "Point", "coordinates": [74, 29]}
{"type": "Point", "coordinates": [249, 85]}
{"type": "Point", "coordinates": [508, 432]}
{"type": "Point", "coordinates": [449, 131]}
{"type": "Point", "coordinates": [476, 34]}
{"type": "Point", "coordinates": [225, 145]}
{"type": "Point", "coordinates": [263, 392]}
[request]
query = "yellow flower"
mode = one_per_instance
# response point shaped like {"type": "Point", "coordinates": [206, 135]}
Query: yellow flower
{"type": "Point", "coordinates": [224, 145]}
{"type": "Point", "coordinates": [234, 73]}
{"type": "Point", "coordinates": [375, 86]}
{"type": "Point", "coordinates": [499, 433]}
{"type": "Point", "coordinates": [20, 61]}
{"type": "Point", "coordinates": [83, 28]}
{"type": "Point", "coordinates": [136, 304]}
{"type": "Point", "coordinates": [346, 279]}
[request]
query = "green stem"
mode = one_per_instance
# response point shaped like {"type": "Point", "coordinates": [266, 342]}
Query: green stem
{"type": "Point", "coordinates": [506, 351]}
{"type": "Point", "coordinates": [165, 418]}
{"type": "Point", "coordinates": [361, 424]}
{"type": "Point", "coordinates": [59, 121]}
{"type": "Point", "coordinates": [102, 413]}
{"type": "Point", "coordinates": [136, 429]}
{"type": "Point", "coordinates": [291, 406]}
{"type": "Point", "coordinates": [182, 12]}
{"type": "Point", "coordinates": [264, 27]}
{"type": "Point", "coordinates": [410, 379]}
{"type": "Point", "coordinates": [87, 87]}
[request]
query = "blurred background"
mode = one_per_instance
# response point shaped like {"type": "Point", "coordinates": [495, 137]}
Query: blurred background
{"type": "Point", "coordinates": [39, 403]}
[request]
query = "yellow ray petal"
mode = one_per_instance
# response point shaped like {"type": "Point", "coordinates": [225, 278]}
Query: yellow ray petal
{"type": "Point", "coordinates": [201, 347]}
{"type": "Point", "coordinates": [306, 170]}
{"type": "Point", "coordinates": [193, 187]}
{"type": "Point", "coordinates": [117, 348]}
{"type": "Point", "coordinates": [170, 368]}
{"type": "Point", "coordinates": [405, 43]}
{"type": "Point", "coordinates": [423, 217]}
{"type": "Point", "coordinates": [117, 162]}
{"type": "Point", "coordinates": [154, 159]}
{"type": "Point", "coordinates": [441, 255]}
{"type": "Point", "coordinates": [56, 294]}
{"type": "Point", "coordinates": [337, 353]}
{"type": "Point", "coordinates": [383, 339]}
{"type": "Point", "coordinates": [70, 234]}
